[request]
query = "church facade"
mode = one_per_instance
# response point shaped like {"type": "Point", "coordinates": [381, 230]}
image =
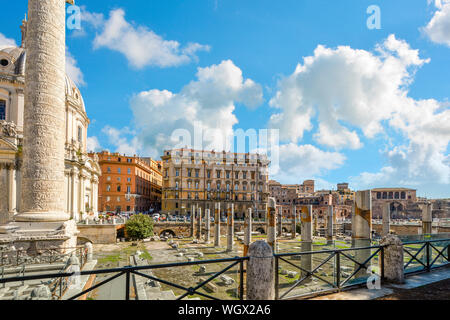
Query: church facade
{"type": "Point", "coordinates": [81, 172]}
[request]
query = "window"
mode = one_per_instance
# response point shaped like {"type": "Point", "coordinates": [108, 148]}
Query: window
{"type": "Point", "coordinates": [128, 189]}
{"type": "Point", "coordinates": [119, 170]}
{"type": "Point", "coordinates": [80, 134]}
{"type": "Point", "coordinates": [108, 178]}
{"type": "Point", "coordinates": [109, 169]}
{"type": "Point", "coordinates": [189, 173]}
{"type": "Point", "coordinates": [177, 173]}
{"type": "Point", "coordinates": [218, 174]}
{"type": "Point", "coordinates": [2, 110]}
{"type": "Point", "coordinates": [118, 188]}
{"type": "Point", "coordinates": [128, 179]}
{"type": "Point", "coordinates": [108, 198]}
{"type": "Point", "coordinates": [129, 170]}
{"type": "Point", "coordinates": [197, 173]}
{"type": "Point", "coordinates": [108, 188]}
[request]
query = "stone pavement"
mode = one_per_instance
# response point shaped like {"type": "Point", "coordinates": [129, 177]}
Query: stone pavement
{"type": "Point", "coordinates": [413, 281]}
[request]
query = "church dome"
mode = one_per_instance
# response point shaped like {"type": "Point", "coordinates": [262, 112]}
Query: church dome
{"type": "Point", "coordinates": [12, 67]}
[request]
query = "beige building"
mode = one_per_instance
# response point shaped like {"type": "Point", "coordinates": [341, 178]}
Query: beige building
{"type": "Point", "coordinates": [81, 173]}
{"type": "Point", "coordinates": [403, 202]}
{"type": "Point", "coordinates": [195, 177]}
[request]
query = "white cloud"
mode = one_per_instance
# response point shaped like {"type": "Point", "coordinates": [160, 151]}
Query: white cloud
{"type": "Point", "coordinates": [141, 46]}
{"type": "Point", "coordinates": [207, 103]}
{"type": "Point", "coordinates": [6, 42]}
{"type": "Point", "coordinates": [301, 162]}
{"type": "Point", "coordinates": [124, 140]}
{"type": "Point", "coordinates": [353, 93]}
{"type": "Point", "coordinates": [346, 90]}
{"type": "Point", "coordinates": [73, 71]}
{"type": "Point", "coordinates": [438, 29]}
{"type": "Point", "coordinates": [93, 145]}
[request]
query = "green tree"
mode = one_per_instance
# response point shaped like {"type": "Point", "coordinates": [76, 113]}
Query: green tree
{"type": "Point", "coordinates": [139, 227]}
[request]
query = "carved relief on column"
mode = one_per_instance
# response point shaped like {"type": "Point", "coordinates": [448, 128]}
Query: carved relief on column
{"type": "Point", "coordinates": [44, 122]}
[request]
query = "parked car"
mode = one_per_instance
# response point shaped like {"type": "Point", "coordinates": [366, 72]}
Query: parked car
{"type": "Point", "coordinates": [156, 216]}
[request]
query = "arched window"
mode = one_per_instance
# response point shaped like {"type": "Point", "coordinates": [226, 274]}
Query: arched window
{"type": "Point", "coordinates": [80, 134]}
{"type": "Point", "coordinates": [2, 110]}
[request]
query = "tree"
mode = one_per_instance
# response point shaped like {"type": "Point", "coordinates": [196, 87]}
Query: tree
{"type": "Point", "coordinates": [139, 227]}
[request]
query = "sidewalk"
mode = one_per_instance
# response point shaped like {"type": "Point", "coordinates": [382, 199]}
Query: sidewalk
{"type": "Point", "coordinates": [391, 290]}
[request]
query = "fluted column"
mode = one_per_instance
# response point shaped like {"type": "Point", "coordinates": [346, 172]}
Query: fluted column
{"type": "Point", "coordinates": [44, 122]}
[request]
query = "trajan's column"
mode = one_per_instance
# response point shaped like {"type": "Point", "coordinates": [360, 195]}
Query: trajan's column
{"type": "Point", "coordinates": [44, 123]}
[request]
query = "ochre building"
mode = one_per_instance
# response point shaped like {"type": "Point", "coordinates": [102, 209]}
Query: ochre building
{"type": "Point", "coordinates": [129, 184]}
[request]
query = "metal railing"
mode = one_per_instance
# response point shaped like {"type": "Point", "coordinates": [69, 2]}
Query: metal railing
{"type": "Point", "coordinates": [420, 255]}
{"type": "Point", "coordinates": [339, 280]}
{"type": "Point", "coordinates": [15, 258]}
{"type": "Point", "coordinates": [136, 270]}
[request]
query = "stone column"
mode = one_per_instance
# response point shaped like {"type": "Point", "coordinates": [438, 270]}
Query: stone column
{"type": "Point", "coordinates": [207, 225]}
{"type": "Point", "coordinates": [260, 272]}
{"type": "Point", "coordinates": [280, 221]}
{"type": "Point", "coordinates": [306, 245]}
{"type": "Point", "coordinates": [427, 218]}
{"type": "Point", "coordinates": [4, 214]}
{"type": "Point", "coordinates": [393, 259]}
{"type": "Point", "coordinates": [247, 231]}
{"type": "Point", "coordinates": [330, 225]}
{"type": "Point", "coordinates": [362, 209]}
{"type": "Point", "coordinates": [386, 219]}
{"type": "Point", "coordinates": [73, 175]}
{"type": "Point", "coordinates": [199, 223]}
{"type": "Point", "coordinates": [193, 233]}
{"type": "Point", "coordinates": [217, 224]}
{"type": "Point", "coordinates": [90, 250]}
{"type": "Point", "coordinates": [230, 227]}
{"type": "Point", "coordinates": [294, 222]}
{"type": "Point", "coordinates": [44, 114]}
{"type": "Point", "coordinates": [271, 220]}
{"type": "Point", "coordinates": [12, 192]}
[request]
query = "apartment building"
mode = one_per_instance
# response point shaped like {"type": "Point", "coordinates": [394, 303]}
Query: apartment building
{"type": "Point", "coordinates": [129, 184]}
{"type": "Point", "coordinates": [203, 178]}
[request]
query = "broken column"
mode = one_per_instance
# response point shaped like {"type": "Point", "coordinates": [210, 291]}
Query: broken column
{"type": "Point", "coordinates": [386, 219]}
{"type": "Point", "coordinates": [393, 259]}
{"type": "Point", "coordinates": [247, 231]}
{"type": "Point", "coordinates": [294, 222]}
{"type": "Point", "coordinates": [260, 272]}
{"type": "Point", "coordinates": [427, 218]}
{"type": "Point", "coordinates": [280, 221]}
{"type": "Point", "coordinates": [230, 227]}
{"type": "Point", "coordinates": [193, 233]}
{"type": "Point", "coordinates": [217, 224]}
{"type": "Point", "coordinates": [330, 225]}
{"type": "Point", "coordinates": [362, 236]}
{"type": "Point", "coordinates": [306, 236]}
{"type": "Point", "coordinates": [207, 225]}
{"type": "Point", "coordinates": [271, 220]}
{"type": "Point", "coordinates": [199, 223]}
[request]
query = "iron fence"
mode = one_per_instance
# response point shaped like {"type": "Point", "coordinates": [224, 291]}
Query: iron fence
{"type": "Point", "coordinates": [62, 285]}
{"type": "Point", "coordinates": [425, 255]}
{"type": "Point", "coordinates": [339, 278]}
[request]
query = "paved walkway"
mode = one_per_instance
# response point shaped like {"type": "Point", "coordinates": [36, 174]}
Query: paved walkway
{"type": "Point", "coordinates": [413, 281]}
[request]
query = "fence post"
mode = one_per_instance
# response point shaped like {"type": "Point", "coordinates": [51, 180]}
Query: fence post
{"type": "Point", "coordinates": [260, 272]}
{"type": "Point", "coordinates": [393, 259]}
{"type": "Point", "coordinates": [127, 286]}
{"type": "Point", "coordinates": [338, 269]}
{"type": "Point", "coordinates": [428, 256]}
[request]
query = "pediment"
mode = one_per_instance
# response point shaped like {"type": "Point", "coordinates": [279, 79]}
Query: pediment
{"type": "Point", "coordinates": [6, 145]}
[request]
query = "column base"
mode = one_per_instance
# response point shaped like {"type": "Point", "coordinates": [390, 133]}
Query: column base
{"type": "Point", "coordinates": [42, 217]}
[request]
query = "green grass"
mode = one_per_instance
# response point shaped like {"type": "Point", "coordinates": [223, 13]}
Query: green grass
{"type": "Point", "coordinates": [146, 255]}
{"type": "Point", "coordinates": [111, 258]}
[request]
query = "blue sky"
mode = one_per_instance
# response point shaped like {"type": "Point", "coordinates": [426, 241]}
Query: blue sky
{"type": "Point", "coordinates": [376, 100]}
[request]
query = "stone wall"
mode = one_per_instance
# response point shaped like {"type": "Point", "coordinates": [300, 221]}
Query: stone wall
{"type": "Point", "coordinates": [98, 234]}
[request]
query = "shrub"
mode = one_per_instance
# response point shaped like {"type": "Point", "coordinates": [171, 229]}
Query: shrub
{"type": "Point", "coordinates": [139, 227]}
